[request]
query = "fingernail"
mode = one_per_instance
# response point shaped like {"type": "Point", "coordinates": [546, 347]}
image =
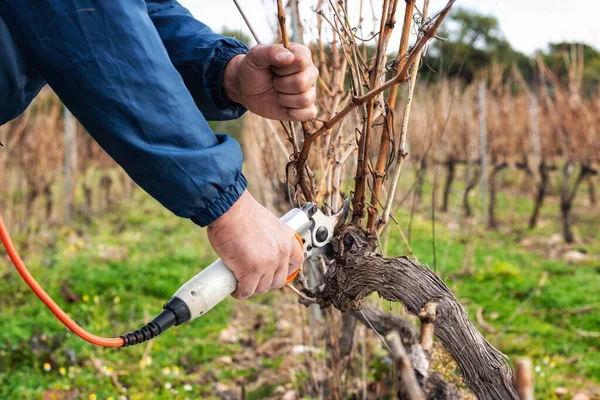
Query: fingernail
{"type": "Point", "coordinates": [284, 56]}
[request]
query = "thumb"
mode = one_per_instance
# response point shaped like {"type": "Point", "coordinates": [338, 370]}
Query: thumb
{"type": "Point", "coordinates": [265, 56]}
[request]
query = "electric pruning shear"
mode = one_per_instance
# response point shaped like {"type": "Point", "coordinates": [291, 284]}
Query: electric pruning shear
{"type": "Point", "coordinates": [313, 229]}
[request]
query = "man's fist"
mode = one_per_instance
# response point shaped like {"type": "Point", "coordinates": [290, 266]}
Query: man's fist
{"type": "Point", "coordinates": [274, 82]}
{"type": "Point", "coordinates": [256, 246]}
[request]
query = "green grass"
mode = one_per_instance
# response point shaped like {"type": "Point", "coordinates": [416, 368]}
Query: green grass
{"type": "Point", "coordinates": [125, 264]}
{"type": "Point", "coordinates": [123, 268]}
{"type": "Point", "coordinates": [491, 270]}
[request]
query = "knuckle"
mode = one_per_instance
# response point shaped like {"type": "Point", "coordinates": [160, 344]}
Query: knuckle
{"type": "Point", "coordinates": [299, 115]}
{"type": "Point", "coordinates": [308, 113]}
{"type": "Point", "coordinates": [294, 114]}
{"type": "Point", "coordinates": [292, 269]}
{"type": "Point", "coordinates": [302, 61]}
{"type": "Point", "coordinates": [316, 73]}
{"type": "Point", "coordinates": [305, 100]}
{"type": "Point", "coordinates": [298, 256]}
{"type": "Point", "coordinates": [282, 250]}
{"type": "Point", "coordinates": [307, 54]}
{"type": "Point", "coordinates": [287, 85]}
{"type": "Point", "coordinates": [300, 49]}
{"type": "Point", "coordinates": [304, 82]}
{"type": "Point", "coordinates": [241, 294]}
{"type": "Point", "coordinates": [265, 288]}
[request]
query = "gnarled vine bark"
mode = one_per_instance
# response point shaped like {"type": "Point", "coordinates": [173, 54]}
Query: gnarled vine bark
{"type": "Point", "coordinates": [359, 272]}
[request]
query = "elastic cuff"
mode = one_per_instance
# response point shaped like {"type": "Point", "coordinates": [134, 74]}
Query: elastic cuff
{"type": "Point", "coordinates": [221, 57]}
{"type": "Point", "coordinates": [222, 203]}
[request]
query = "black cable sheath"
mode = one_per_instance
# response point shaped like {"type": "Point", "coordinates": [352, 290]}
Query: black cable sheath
{"type": "Point", "coordinates": [175, 312]}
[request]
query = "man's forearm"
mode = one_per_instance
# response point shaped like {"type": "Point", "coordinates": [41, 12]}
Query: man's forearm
{"type": "Point", "coordinates": [108, 65]}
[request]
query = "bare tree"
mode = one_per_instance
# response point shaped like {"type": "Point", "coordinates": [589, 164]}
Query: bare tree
{"type": "Point", "coordinates": [359, 123]}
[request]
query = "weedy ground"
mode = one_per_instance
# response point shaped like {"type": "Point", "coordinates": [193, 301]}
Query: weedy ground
{"type": "Point", "coordinates": [529, 293]}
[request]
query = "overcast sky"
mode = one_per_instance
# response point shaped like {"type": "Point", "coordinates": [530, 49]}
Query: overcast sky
{"type": "Point", "coordinates": [527, 24]}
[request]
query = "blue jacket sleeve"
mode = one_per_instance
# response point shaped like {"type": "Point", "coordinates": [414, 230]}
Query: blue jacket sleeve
{"type": "Point", "coordinates": [107, 63]}
{"type": "Point", "coordinates": [199, 55]}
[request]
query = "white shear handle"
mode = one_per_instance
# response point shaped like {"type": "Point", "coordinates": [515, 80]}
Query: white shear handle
{"type": "Point", "coordinates": [216, 282]}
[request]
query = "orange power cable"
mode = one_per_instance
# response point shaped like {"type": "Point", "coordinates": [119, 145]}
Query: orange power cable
{"type": "Point", "coordinates": [47, 300]}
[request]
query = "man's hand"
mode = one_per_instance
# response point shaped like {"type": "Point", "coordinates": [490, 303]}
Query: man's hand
{"type": "Point", "coordinates": [256, 246]}
{"type": "Point", "coordinates": [273, 82]}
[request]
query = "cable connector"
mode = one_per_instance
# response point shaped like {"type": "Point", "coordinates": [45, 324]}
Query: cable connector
{"type": "Point", "coordinates": [175, 312]}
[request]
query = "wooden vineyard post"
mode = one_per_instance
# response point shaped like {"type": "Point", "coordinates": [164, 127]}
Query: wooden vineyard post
{"type": "Point", "coordinates": [70, 161]}
{"type": "Point", "coordinates": [535, 130]}
{"type": "Point", "coordinates": [524, 378]}
{"type": "Point", "coordinates": [483, 148]}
